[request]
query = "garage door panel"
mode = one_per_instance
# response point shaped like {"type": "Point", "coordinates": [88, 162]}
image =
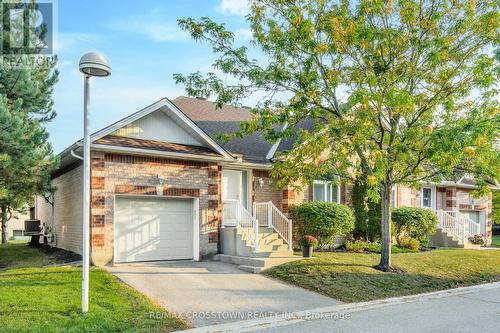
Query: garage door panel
{"type": "Point", "coordinates": [153, 229]}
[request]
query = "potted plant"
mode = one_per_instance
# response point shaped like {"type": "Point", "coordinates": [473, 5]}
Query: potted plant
{"type": "Point", "coordinates": [477, 240]}
{"type": "Point", "coordinates": [308, 243]}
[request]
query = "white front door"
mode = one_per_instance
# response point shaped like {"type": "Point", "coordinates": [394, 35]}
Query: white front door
{"type": "Point", "coordinates": [234, 193]}
{"type": "Point", "coordinates": [231, 186]}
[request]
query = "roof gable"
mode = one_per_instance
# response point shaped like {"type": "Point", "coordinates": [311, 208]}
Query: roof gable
{"type": "Point", "coordinates": [159, 126]}
{"type": "Point", "coordinates": [185, 129]}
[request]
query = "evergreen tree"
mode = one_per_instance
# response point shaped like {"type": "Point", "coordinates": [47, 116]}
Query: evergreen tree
{"type": "Point", "coordinates": [26, 157]}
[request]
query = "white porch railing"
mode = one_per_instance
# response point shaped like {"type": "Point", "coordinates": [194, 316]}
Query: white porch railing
{"type": "Point", "coordinates": [269, 215]}
{"type": "Point", "coordinates": [234, 214]}
{"type": "Point", "coordinates": [457, 224]}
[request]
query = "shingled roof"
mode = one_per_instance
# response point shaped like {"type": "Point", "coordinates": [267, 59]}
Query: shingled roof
{"type": "Point", "coordinates": [214, 121]}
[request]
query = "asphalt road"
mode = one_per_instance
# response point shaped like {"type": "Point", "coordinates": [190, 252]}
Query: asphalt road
{"type": "Point", "coordinates": [478, 311]}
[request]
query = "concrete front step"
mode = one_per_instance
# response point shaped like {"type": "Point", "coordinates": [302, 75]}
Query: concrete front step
{"type": "Point", "coordinates": [442, 239]}
{"type": "Point", "coordinates": [254, 265]}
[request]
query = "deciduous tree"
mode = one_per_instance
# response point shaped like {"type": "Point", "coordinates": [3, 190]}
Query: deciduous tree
{"type": "Point", "coordinates": [418, 79]}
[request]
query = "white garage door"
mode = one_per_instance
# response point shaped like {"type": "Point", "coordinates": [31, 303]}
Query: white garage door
{"type": "Point", "coordinates": [153, 229]}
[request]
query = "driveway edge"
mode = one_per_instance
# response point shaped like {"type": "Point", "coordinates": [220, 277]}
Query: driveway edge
{"type": "Point", "coordinates": [300, 316]}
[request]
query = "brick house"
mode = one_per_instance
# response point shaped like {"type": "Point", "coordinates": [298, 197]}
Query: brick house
{"type": "Point", "coordinates": [164, 188]}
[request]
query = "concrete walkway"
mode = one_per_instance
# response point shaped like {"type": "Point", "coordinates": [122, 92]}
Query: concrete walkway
{"type": "Point", "coordinates": [209, 292]}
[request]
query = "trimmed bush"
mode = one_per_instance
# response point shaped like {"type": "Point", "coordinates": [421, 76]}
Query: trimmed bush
{"type": "Point", "coordinates": [355, 246]}
{"type": "Point", "coordinates": [410, 243]}
{"type": "Point", "coordinates": [323, 220]}
{"type": "Point", "coordinates": [417, 223]}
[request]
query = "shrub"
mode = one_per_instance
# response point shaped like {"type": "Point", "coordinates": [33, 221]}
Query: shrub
{"type": "Point", "coordinates": [323, 220]}
{"type": "Point", "coordinates": [308, 240]}
{"type": "Point", "coordinates": [367, 213]}
{"type": "Point", "coordinates": [410, 243]}
{"type": "Point", "coordinates": [417, 223]}
{"type": "Point", "coordinates": [477, 239]}
{"type": "Point", "coordinates": [355, 246]}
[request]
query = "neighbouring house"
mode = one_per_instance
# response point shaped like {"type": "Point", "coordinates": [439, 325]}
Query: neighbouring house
{"type": "Point", "coordinates": [15, 226]}
{"type": "Point", "coordinates": [163, 187]}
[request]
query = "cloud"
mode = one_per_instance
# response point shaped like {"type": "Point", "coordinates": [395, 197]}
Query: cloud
{"type": "Point", "coordinates": [244, 33]}
{"type": "Point", "coordinates": [234, 7]}
{"type": "Point", "coordinates": [68, 41]}
{"type": "Point", "coordinates": [154, 26]}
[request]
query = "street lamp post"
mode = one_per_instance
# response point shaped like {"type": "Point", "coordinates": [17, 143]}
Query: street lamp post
{"type": "Point", "coordinates": [91, 64]}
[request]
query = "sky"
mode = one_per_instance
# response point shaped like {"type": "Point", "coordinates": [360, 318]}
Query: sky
{"type": "Point", "coordinates": [145, 47]}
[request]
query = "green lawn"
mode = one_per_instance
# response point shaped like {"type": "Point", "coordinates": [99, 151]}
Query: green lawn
{"type": "Point", "coordinates": [38, 299]}
{"type": "Point", "coordinates": [495, 241]}
{"type": "Point", "coordinates": [350, 277]}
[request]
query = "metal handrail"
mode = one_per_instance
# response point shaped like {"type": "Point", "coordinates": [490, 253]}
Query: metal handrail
{"type": "Point", "coordinates": [267, 212]}
{"type": "Point", "coordinates": [245, 222]}
{"type": "Point", "coordinates": [457, 224]}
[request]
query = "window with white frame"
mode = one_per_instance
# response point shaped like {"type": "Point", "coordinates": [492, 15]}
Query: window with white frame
{"type": "Point", "coordinates": [427, 197]}
{"type": "Point", "coordinates": [394, 196]}
{"type": "Point", "coordinates": [325, 191]}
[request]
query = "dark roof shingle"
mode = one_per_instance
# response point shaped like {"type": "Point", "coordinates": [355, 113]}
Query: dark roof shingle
{"type": "Point", "coordinates": [113, 140]}
{"type": "Point", "coordinates": [224, 121]}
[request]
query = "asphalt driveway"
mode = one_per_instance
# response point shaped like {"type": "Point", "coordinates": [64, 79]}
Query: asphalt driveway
{"type": "Point", "coordinates": [210, 292]}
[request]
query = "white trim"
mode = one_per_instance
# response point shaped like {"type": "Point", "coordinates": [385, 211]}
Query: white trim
{"type": "Point", "coordinates": [151, 152]}
{"type": "Point", "coordinates": [157, 106]}
{"type": "Point", "coordinates": [196, 229]}
{"type": "Point", "coordinates": [197, 129]}
{"type": "Point", "coordinates": [432, 198]}
{"type": "Point", "coordinates": [274, 147]}
{"type": "Point", "coordinates": [127, 120]}
{"type": "Point", "coordinates": [326, 183]}
{"type": "Point", "coordinates": [196, 220]}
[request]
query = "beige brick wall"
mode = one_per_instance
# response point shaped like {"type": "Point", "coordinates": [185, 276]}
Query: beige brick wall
{"type": "Point", "coordinates": [113, 173]}
{"type": "Point", "coordinates": [67, 218]}
{"type": "Point", "coordinates": [264, 188]}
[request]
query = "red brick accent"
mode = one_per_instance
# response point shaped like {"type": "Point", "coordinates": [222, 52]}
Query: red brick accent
{"type": "Point", "coordinates": [97, 240]}
{"type": "Point", "coordinates": [135, 189]}
{"type": "Point", "coordinates": [261, 173]}
{"type": "Point", "coordinates": [213, 237]}
{"type": "Point", "coordinates": [285, 207]}
{"type": "Point", "coordinates": [97, 164]}
{"type": "Point", "coordinates": [97, 201]}
{"type": "Point", "coordinates": [97, 183]}
{"type": "Point", "coordinates": [181, 192]}
{"type": "Point", "coordinates": [97, 220]}
{"type": "Point", "coordinates": [289, 194]}
{"type": "Point", "coordinates": [213, 189]}
{"type": "Point", "coordinates": [150, 160]}
{"type": "Point", "coordinates": [213, 171]}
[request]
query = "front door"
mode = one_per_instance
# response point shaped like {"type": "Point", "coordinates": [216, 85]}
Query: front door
{"type": "Point", "coordinates": [234, 188]}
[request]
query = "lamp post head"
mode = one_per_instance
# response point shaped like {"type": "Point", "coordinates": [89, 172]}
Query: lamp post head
{"type": "Point", "coordinates": [94, 64]}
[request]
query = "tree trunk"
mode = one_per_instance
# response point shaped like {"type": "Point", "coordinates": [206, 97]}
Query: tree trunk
{"type": "Point", "coordinates": [385, 257]}
{"type": "Point", "coordinates": [4, 224]}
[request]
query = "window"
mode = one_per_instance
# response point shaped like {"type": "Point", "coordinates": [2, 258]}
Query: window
{"type": "Point", "coordinates": [325, 191]}
{"type": "Point", "coordinates": [394, 197]}
{"type": "Point", "coordinates": [426, 197]}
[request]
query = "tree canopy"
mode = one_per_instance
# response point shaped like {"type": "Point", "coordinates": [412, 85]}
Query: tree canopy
{"type": "Point", "coordinates": [400, 91]}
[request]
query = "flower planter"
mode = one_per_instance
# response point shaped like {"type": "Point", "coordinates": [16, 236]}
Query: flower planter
{"type": "Point", "coordinates": [307, 251]}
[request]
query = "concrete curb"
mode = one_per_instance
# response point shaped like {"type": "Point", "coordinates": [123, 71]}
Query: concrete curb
{"type": "Point", "coordinates": [301, 316]}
